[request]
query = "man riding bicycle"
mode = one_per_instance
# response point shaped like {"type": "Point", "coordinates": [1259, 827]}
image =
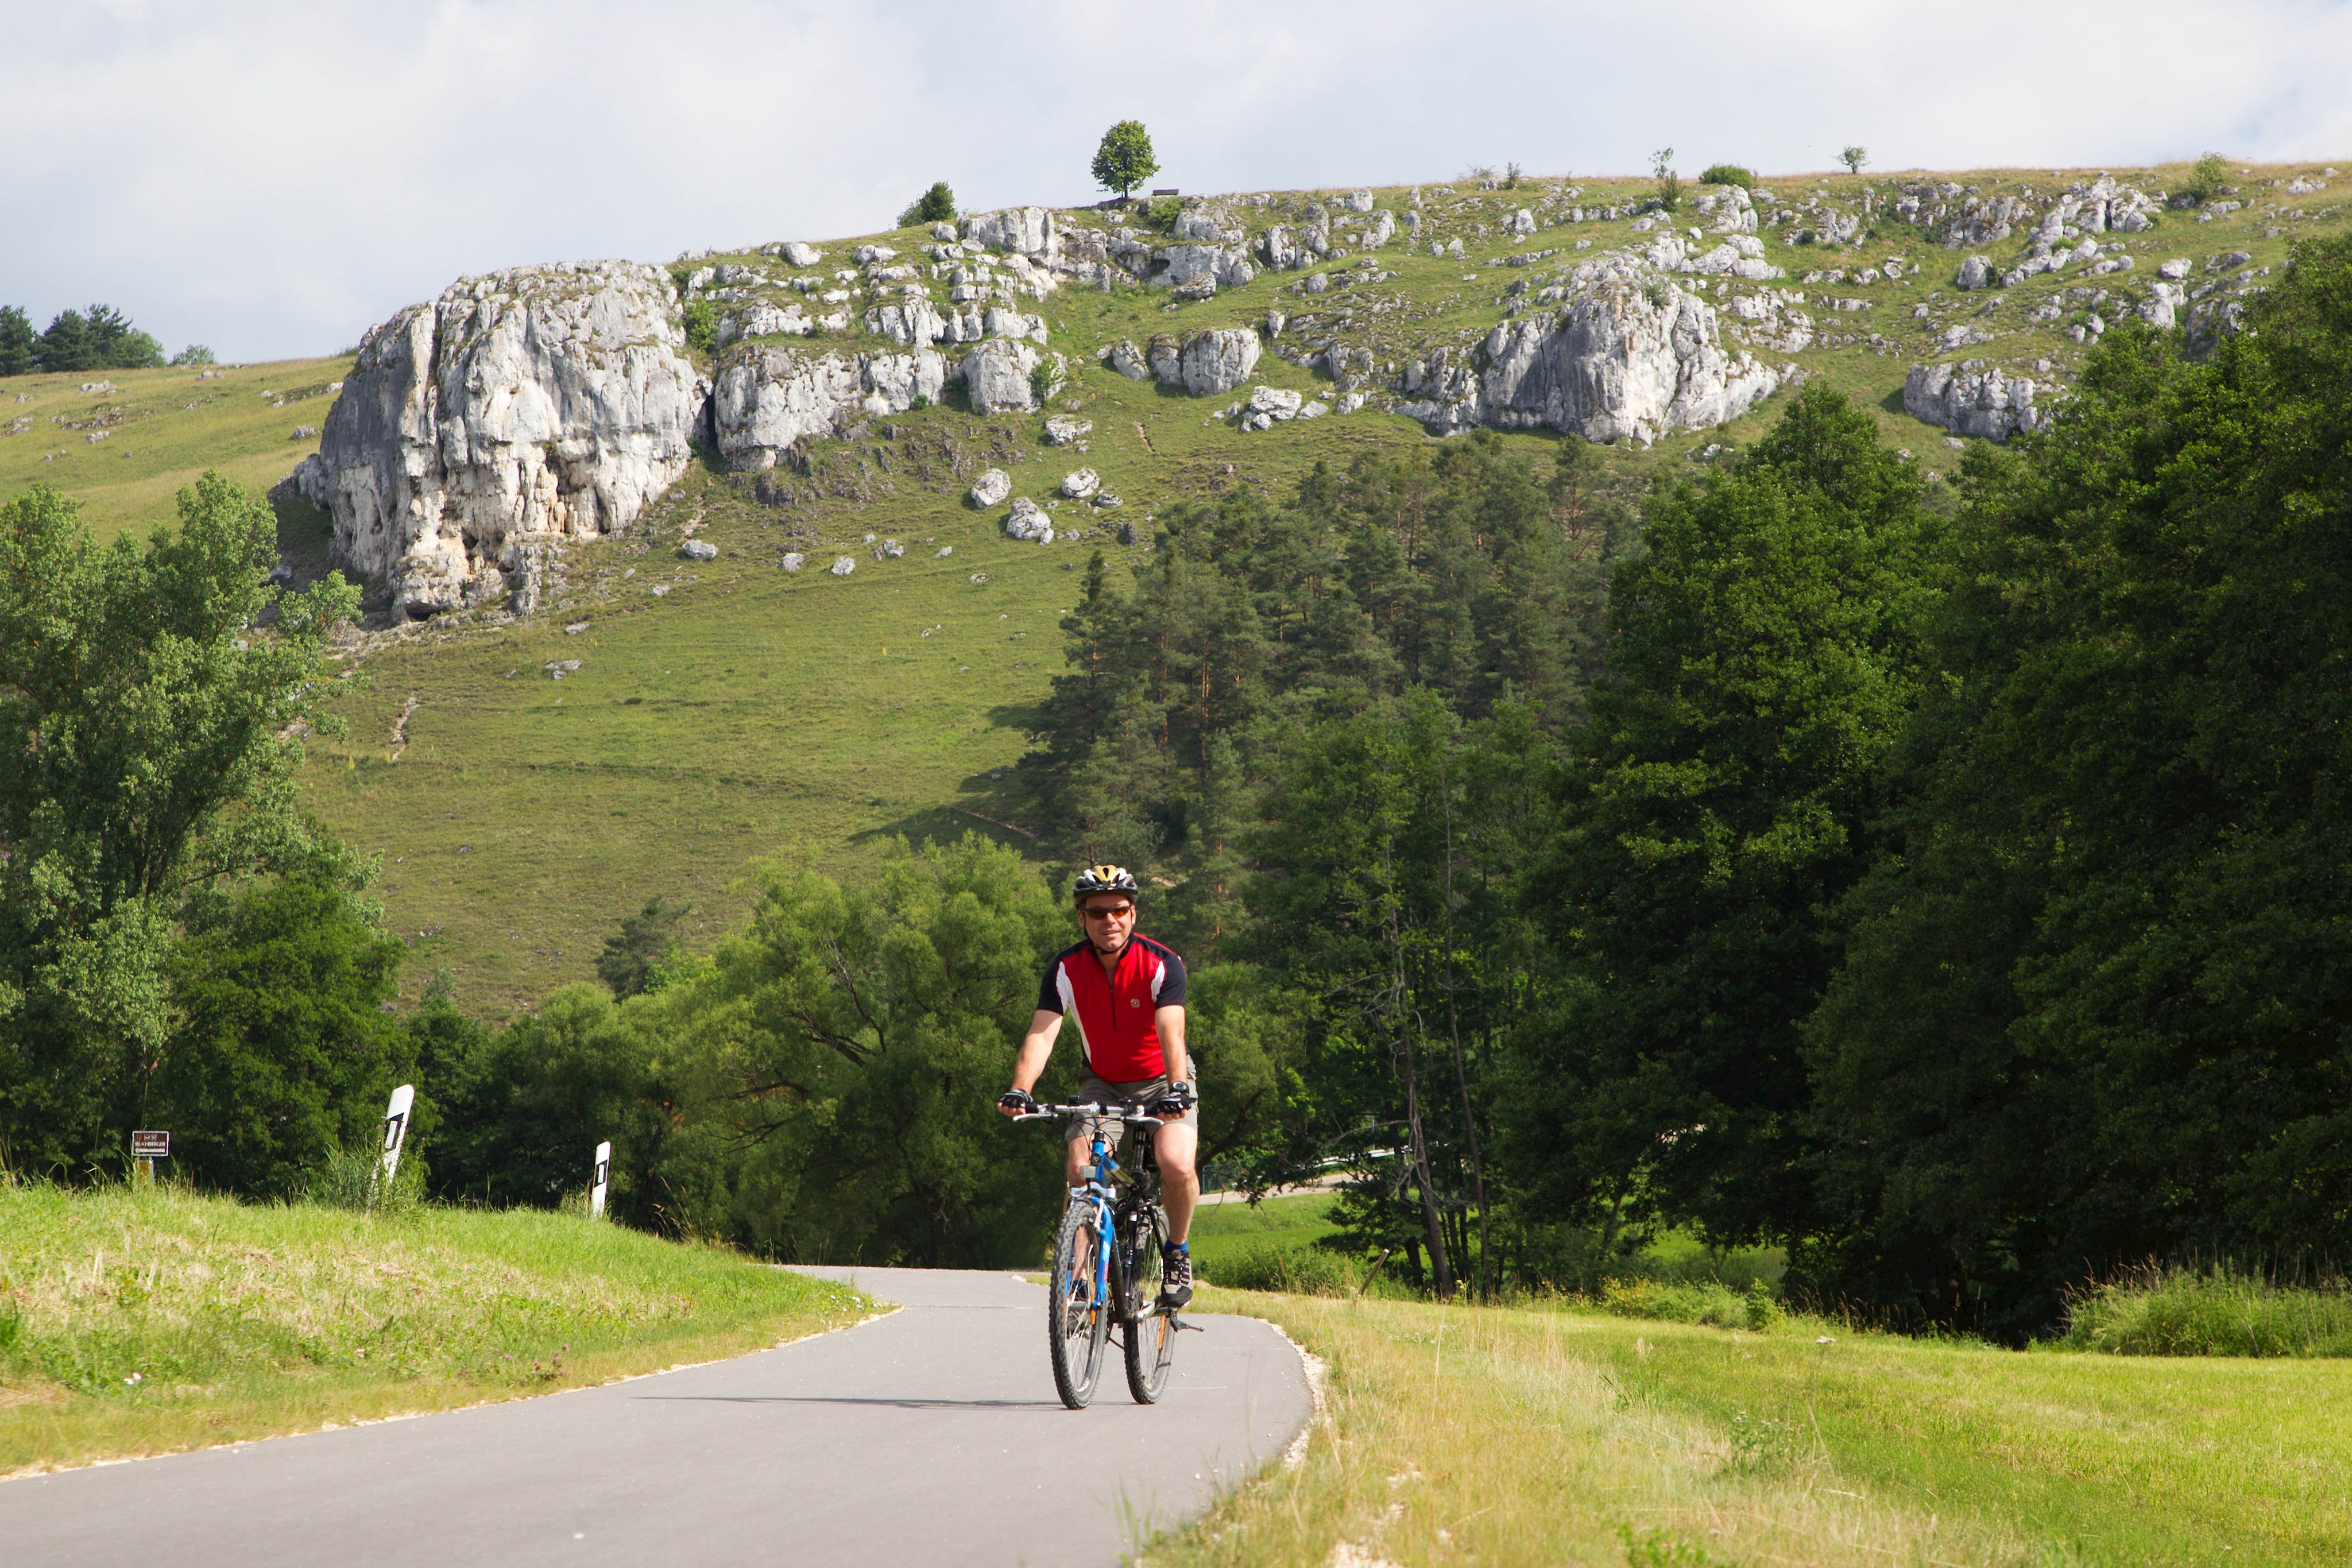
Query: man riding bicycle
{"type": "Point", "coordinates": [1128, 993]}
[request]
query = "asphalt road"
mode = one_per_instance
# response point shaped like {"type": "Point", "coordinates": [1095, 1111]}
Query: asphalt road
{"type": "Point", "coordinates": [932, 1435]}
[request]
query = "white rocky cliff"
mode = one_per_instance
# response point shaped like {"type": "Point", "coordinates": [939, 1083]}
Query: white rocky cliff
{"type": "Point", "coordinates": [517, 410]}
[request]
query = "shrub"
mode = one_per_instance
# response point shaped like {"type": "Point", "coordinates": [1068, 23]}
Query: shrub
{"type": "Point", "coordinates": [1670, 184]}
{"type": "Point", "coordinates": [936, 205]}
{"type": "Point", "coordinates": [353, 1178]}
{"type": "Point", "coordinates": [1295, 1270]}
{"type": "Point", "coordinates": [1716, 1305]}
{"type": "Point", "coordinates": [1041, 380]}
{"type": "Point", "coordinates": [194, 354]}
{"type": "Point", "coordinates": [1728, 175]}
{"type": "Point", "coordinates": [2208, 177]}
{"type": "Point", "coordinates": [1511, 172]}
{"type": "Point", "coordinates": [2174, 1312]}
{"type": "Point", "coordinates": [702, 325]}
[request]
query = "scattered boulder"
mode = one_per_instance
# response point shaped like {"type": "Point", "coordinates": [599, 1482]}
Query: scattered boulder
{"type": "Point", "coordinates": [1972, 399]}
{"type": "Point", "coordinates": [1267, 406]}
{"type": "Point", "coordinates": [1063, 431]}
{"type": "Point", "coordinates": [698, 550]}
{"type": "Point", "coordinates": [2179, 267]}
{"type": "Point", "coordinates": [1361, 202]}
{"type": "Point", "coordinates": [1028, 521]}
{"type": "Point", "coordinates": [1129, 360]}
{"type": "Point", "coordinates": [793, 561]}
{"type": "Point", "coordinates": [842, 565]}
{"type": "Point", "coordinates": [888, 550]}
{"type": "Point", "coordinates": [1216, 361]}
{"type": "Point", "coordinates": [517, 409]}
{"type": "Point", "coordinates": [1080, 483]}
{"type": "Point", "coordinates": [1126, 534]}
{"type": "Point", "coordinates": [2164, 299]}
{"type": "Point", "coordinates": [1975, 273]}
{"type": "Point", "coordinates": [799, 255]}
{"type": "Point", "coordinates": [990, 489]}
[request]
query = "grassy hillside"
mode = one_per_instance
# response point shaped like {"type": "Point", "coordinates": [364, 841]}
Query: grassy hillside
{"type": "Point", "coordinates": [135, 1323]}
{"type": "Point", "coordinates": [1544, 1436]}
{"type": "Point", "coordinates": [749, 711]}
{"type": "Point", "coordinates": [162, 429]}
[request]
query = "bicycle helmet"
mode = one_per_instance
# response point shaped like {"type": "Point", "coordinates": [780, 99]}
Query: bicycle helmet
{"type": "Point", "coordinates": [1105, 879]}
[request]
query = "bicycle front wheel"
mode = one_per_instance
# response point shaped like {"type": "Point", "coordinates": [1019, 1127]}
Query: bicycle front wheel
{"type": "Point", "coordinates": [1151, 1334]}
{"type": "Point", "coordinates": [1077, 1318]}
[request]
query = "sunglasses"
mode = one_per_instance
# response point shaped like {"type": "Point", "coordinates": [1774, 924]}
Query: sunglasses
{"type": "Point", "coordinates": [1108, 911]}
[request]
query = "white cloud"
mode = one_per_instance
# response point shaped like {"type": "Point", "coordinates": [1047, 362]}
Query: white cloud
{"type": "Point", "coordinates": [271, 177]}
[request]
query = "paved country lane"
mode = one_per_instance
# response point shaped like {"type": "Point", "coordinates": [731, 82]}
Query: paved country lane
{"type": "Point", "coordinates": [933, 1429]}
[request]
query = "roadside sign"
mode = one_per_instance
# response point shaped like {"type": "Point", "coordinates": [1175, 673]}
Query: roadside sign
{"type": "Point", "coordinates": [395, 1128]}
{"type": "Point", "coordinates": [596, 1188]}
{"type": "Point", "coordinates": [150, 1145]}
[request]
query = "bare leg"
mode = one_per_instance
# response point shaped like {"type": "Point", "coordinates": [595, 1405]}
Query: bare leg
{"type": "Point", "coordinates": [1180, 1182]}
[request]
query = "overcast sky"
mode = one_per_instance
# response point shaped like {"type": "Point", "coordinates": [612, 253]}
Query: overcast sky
{"type": "Point", "coordinates": [271, 176]}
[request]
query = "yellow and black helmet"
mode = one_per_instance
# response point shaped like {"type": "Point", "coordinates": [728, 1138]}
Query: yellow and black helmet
{"type": "Point", "coordinates": [1105, 879]}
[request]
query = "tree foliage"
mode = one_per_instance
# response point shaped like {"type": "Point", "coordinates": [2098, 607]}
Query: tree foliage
{"type": "Point", "coordinates": [99, 338]}
{"type": "Point", "coordinates": [1763, 658]}
{"type": "Point", "coordinates": [149, 730]}
{"type": "Point", "coordinates": [1124, 160]}
{"type": "Point", "coordinates": [936, 205]}
{"type": "Point", "coordinates": [2098, 1007]}
{"type": "Point", "coordinates": [18, 344]}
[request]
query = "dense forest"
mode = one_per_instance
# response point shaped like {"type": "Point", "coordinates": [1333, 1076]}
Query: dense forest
{"type": "Point", "coordinates": [1946, 880]}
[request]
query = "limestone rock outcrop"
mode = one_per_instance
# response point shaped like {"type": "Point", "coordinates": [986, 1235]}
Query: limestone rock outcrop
{"type": "Point", "coordinates": [1625, 359]}
{"type": "Point", "coordinates": [767, 397]}
{"type": "Point", "coordinates": [518, 409]}
{"type": "Point", "coordinates": [997, 376]}
{"type": "Point", "coordinates": [1972, 399]}
{"type": "Point", "coordinates": [1205, 364]}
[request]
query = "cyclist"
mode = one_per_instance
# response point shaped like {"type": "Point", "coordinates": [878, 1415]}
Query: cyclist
{"type": "Point", "coordinates": [1128, 992]}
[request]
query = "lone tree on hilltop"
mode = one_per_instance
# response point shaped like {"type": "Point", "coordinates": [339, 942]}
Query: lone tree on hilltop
{"type": "Point", "coordinates": [1670, 184]}
{"type": "Point", "coordinates": [1124, 161]}
{"type": "Point", "coordinates": [936, 205]}
{"type": "Point", "coordinates": [1853, 158]}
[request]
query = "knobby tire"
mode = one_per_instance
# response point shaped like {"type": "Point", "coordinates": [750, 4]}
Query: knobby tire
{"type": "Point", "coordinates": [1077, 1323]}
{"type": "Point", "coordinates": [1149, 1341]}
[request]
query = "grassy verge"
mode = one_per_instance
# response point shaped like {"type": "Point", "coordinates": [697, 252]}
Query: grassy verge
{"type": "Point", "coordinates": [1547, 1435]}
{"type": "Point", "coordinates": [146, 1323]}
{"type": "Point", "coordinates": [2160, 1311]}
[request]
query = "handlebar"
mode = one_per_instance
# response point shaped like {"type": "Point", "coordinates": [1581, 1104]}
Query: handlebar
{"type": "Point", "coordinates": [1115, 1112]}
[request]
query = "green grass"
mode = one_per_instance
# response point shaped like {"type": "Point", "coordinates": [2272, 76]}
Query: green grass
{"type": "Point", "coordinates": [147, 1322]}
{"type": "Point", "coordinates": [163, 428]}
{"type": "Point", "coordinates": [1542, 1435]}
{"type": "Point", "coordinates": [2158, 1311]}
{"type": "Point", "coordinates": [749, 712]}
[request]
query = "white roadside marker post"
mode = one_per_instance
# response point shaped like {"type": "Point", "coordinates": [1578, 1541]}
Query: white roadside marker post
{"type": "Point", "coordinates": [596, 1187]}
{"type": "Point", "coordinates": [396, 1130]}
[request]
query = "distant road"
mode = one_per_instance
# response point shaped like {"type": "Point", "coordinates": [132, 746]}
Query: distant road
{"type": "Point", "coordinates": [929, 1435]}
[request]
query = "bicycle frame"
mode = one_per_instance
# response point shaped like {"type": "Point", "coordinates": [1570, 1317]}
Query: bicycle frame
{"type": "Point", "coordinates": [1100, 1187]}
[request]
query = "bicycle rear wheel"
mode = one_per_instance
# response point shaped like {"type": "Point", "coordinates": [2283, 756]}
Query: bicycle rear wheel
{"type": "Point", "coordinates": [1151, 1333]}
{"type": "Point", "coordinates": [1076, 1319]}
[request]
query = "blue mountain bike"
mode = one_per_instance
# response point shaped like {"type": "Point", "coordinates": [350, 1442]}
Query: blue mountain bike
{"type": "Point", "coordinates": [1107, 1267]}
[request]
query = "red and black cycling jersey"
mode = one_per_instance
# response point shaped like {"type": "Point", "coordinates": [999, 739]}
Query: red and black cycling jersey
{"type": "Point", "coordinates": [1116, 1013]}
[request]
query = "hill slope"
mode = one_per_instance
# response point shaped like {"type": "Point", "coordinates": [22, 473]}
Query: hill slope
{"type": "Point", "coordinates": [745, 708]}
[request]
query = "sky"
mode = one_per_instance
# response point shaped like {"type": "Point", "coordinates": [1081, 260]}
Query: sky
{"type": "Point", "coordinates": [269, 178]}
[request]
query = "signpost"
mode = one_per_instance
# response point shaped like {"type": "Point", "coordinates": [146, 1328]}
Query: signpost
{"type": "Point", "coordinates": [395, 1130]}
{"type": "Point", "coordinates": [146, 1148]}
{"type": "Point", "coordinates": [596, 1188]}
